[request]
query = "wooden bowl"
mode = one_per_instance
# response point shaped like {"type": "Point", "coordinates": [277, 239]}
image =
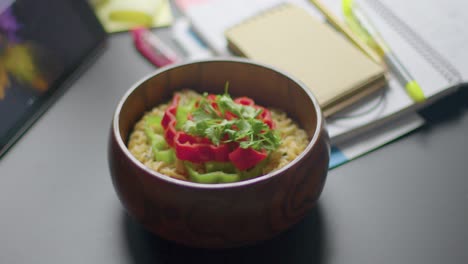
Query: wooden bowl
{"type": "Point", "coordinates": [220, 215]}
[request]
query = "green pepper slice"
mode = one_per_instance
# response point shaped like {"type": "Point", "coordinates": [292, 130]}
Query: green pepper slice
{"type": "Point", "coordinates": [211, 177]}
{"type": "Point", "coordinates": [167, 156]}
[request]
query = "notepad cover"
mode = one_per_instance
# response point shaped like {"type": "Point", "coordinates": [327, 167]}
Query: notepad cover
{"type": "Point", "coordinates": [291, 39]}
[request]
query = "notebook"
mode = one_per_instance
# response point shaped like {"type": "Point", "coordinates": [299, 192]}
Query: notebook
{"type": "Point", "coordinates": [429, 42]}
{"type": "Point", "coordinates": [288, 37]}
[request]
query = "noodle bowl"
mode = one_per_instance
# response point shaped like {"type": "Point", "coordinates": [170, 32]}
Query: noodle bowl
{"type": "Point", "coordinates": [222, 215]}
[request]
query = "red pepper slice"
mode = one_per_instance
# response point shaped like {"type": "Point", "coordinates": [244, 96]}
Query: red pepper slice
{"type": "Point", "coordinates": [169, 114]}
{"type": "Point", "coordinates": [211, 97]}
{"type": "Point", "coordinates": [170, 133]}
{"type": "Point", "coordinates": [265, 116]}
{"type": "Point", "coordinates": [229, 116]}
{"type": "Point", "coordinates": [244, 101]}
{"type": "Point", "coordinates": [246, 158]}
{"type": "Point", "coordinates": [199, 150]}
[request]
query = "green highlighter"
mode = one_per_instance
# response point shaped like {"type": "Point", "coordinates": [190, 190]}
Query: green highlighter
{"type": "Point", "coordinates": [361, 25]}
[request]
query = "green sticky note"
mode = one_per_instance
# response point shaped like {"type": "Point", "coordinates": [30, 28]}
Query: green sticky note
{"type": "Point", "coordinates": [123, 15]}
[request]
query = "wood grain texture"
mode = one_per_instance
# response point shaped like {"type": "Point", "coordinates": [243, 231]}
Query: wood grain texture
{"type": "Point", "coordinates": [225, 215]}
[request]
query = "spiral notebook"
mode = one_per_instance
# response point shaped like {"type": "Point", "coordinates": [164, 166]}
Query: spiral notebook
{"type": "Point", "coordinates": [288, 37]}
{"type": "Point", "coordinates": [428, 41]}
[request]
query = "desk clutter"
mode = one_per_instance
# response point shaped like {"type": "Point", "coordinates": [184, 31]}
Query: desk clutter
{"type": "Point", "coordinates": [364, 99]}
{"type": "Point", "coordinates": [365, 106]}
{"type": "Point", "coordinates": [356, 127]}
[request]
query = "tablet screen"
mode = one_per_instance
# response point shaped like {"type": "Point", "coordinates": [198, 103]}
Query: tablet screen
{"type": "Point", "coordinates": [42, 43]}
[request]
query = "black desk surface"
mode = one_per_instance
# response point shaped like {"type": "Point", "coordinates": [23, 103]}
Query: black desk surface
{"type": "Point", "coordinates": [404, 203]}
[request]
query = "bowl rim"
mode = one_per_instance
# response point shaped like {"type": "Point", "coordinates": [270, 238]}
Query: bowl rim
{"type": "Point", "coordinates": [262, 178]}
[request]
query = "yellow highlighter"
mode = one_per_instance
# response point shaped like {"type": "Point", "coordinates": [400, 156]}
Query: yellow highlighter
{"type": "Point", "coordinates": [361, 25]}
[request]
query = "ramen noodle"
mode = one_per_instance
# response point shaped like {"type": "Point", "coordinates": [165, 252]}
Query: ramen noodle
{"type": "Point", "coordinates": [242, 141]}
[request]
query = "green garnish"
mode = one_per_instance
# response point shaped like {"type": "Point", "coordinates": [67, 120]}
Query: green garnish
{"type": "Point", "coordinates": [247, 129]}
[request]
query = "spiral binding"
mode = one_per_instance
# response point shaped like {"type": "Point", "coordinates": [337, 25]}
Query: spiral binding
{"type": "Point", "coordinates": [445, 68]}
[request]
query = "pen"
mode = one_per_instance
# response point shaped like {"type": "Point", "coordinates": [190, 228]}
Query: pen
{"type": "Point", "coordinates": [336, 23]}
{"type": "Point", "coordinates": [391, 60]}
